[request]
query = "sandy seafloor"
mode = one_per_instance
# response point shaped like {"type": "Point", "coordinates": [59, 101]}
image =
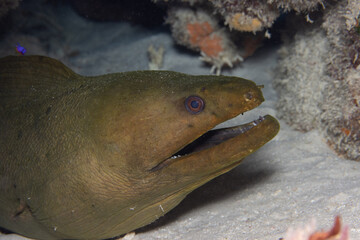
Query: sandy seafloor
{"type": "Point", "coordinates": [290, 181]}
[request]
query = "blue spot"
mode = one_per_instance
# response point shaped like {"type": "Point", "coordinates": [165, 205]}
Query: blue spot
{"type": "Point", "coordinates": [20, 49]}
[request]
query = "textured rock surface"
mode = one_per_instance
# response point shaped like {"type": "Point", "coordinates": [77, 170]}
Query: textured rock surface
{"type": "Point", "coordinates": [303, 62]}
{"type": "Point", "coordinates": [318, 79]}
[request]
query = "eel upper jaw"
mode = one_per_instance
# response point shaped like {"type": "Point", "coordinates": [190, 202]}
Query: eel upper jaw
{"type": "Point", "coordinates": [211, 139]}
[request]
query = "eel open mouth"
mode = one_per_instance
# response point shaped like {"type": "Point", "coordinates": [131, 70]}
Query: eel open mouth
{"type": "Point", "coordinates": [210, 139]}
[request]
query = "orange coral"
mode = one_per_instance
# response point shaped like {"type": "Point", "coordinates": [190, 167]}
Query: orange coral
{"type": "Point", "coordinates": [198, 31]}
{"type": "Point", "coordinates": [245, 23]}
{"type": "Point", "coordinates": [202, 36]}
{"type": "Point", "coordinates": [211, 45]}
{"type": "Point", "coordinates": [334, 233]}
{"type": "Point", "coordinates": [337, 232]}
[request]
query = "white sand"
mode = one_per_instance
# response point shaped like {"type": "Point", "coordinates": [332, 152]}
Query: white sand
{"type": "Point", "coordinates": [289, 181]}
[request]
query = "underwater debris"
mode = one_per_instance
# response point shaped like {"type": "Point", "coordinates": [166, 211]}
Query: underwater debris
{"type": "Point", "coordinates": [20, 49]}
{"type": "Point", "coordinates": [156, 57]}
{"type": "Point", "coordinates": [308, 232]}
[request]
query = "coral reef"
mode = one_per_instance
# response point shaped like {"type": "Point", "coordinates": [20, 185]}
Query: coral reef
{"type": "Point", "coordinates": [6, 5]}
{"type": "Point", "coordinates": [318, 79]}
{"type": "Point", "coordinates": [212, 26]}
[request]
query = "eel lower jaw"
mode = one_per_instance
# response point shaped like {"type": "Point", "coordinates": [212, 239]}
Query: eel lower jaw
{"type": "Point", "coordinates": [209, 140]}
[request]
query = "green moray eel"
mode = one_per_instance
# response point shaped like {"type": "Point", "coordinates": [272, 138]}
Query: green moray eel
{"type": "Point", "coordinates": [97, 157]}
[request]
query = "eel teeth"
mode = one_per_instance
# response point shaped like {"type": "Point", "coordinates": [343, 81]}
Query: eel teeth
{"type": "Point", "coordinates": [215, 137]}
{"type": "Point", "coordinates": [210, 139]}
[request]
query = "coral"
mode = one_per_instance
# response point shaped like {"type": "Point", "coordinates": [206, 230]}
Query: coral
{"type": "Point", "coordinates": [297, 5]}
{"type": "Point", "coordinates": [244, 23]}
{"type": "Point", "coordinates": [247, 16]}
{"type": "Point", "coordinates": [199, 34]}
{"type": "Point", "coordinates": [198, 31]}
{"type": "Point", "coordinates": [352, 15]}
{"type": "Point", "coordinates": [299, 80]}
{"type": "Point", "coordinates": [210, 26]}
{"type": "Point", "coordinates": [309, 232]}
{"type": "Point", "coordinates": [6, 5]}
{"type": "Point", "coordinates": [318, 79]}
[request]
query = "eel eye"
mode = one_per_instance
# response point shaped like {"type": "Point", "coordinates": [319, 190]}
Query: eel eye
{"type": "Point", "coordinates": [194, 104]}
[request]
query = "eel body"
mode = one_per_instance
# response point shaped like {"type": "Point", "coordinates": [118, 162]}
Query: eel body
{"type": "Point", "coordinates": [97, 157]}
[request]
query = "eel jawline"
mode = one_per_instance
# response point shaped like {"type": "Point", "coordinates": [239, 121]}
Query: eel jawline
{"type": "Point", "coordinates": [210, 139]}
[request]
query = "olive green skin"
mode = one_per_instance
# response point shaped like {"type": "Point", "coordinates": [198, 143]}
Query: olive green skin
{"type": "Point", "coordinates": [77, 152]}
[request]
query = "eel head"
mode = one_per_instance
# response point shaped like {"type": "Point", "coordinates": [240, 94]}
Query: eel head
{"type": "Point", "coordinates": [155, 132]}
